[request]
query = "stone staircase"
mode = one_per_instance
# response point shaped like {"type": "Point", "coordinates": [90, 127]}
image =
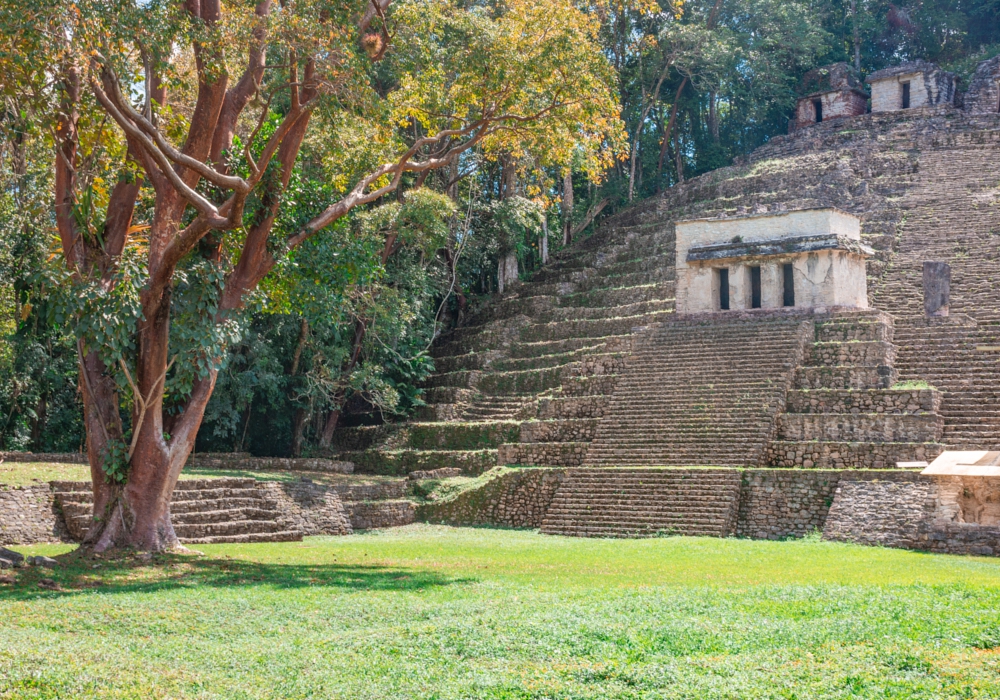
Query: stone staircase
{"type": "Point", "coordinates": [203, 511]}
{"type": "Point", "coordinates": [845, 411]}
{"type": "Point", "coordinates": [703, 391]}
{"type": "Point", "coordinates": [536, 368]}
{"type": "Point", "coordinates": [645, 503]}
{"type": "Point", "coordinates": [961, 359]}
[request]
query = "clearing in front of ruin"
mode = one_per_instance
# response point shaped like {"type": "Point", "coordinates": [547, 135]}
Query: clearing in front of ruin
{"type": "Point", "coordinates": [436, 612]}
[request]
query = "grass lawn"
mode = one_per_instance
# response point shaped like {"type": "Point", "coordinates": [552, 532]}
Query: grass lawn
{"type": "Point", "coordinates": [435, 612]}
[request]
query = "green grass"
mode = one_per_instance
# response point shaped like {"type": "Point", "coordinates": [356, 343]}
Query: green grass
{"type": "Point", "coordinates": [434, 612]}
{"type": "Point", "coordinates": [917, 384]}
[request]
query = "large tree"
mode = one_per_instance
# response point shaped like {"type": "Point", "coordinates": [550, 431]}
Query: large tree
{"type": "Point", "coordinates": [178, 130]}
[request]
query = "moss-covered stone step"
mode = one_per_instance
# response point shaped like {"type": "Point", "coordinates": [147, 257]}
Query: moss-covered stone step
{"type": "Point", "coordinates": [448, 394]}
{"type": "Point", "coordinates": [600, 385]}
{"type": "Point", "coordinates": [462, 436]}
{"type": "Point", "coordinates": [437, 412]}
{"type": "Point", "coordinates": [854, 352]}
{"type": "Point", "coordinates": [861, 329]}
{"type": "Point", "coordinates": [574, 313]}
{"type": "Point", "coordinates": [468, 361]}
{"type": "Point", "coordinates": [571, 407]}
{"type": "Point", "coordinates": [543, 454]}
{"type": "Point", "coordinates": [532, 381]}
{"type": "Point", "coordinates": [559, 430]}
{"type": "Point", "coordinates": [849, 377]}
{"type": "Point", "coordinates": [617, 295]}
{"type": "Point", "coordinates": [401, 462]}
{"type": "Point", "coordinates": [590, 328]}
{"type": "Point", "coordinates": [610, 343]}
{"type": "Point", "coordinates": [461, 379]}
{"type": "Point", "coordinates": [629, 279]}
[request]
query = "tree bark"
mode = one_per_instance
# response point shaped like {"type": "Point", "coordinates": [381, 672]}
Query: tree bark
{"type": "Point", "coordinates": [301, 416]}
{"type": "Point", "coordinates": [567, 207]}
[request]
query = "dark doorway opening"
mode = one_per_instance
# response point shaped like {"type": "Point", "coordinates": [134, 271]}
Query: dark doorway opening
{"type": "Point", "coordinates": [818, 109]}
{"type": "Point", "coordinates": [788, 285]}
{"type": "Point", "coordinates": [724, 289]}
{"type": "Point", "coordinates": [906, 95]}
{"type": "Point", "coordinates": [754, 287]}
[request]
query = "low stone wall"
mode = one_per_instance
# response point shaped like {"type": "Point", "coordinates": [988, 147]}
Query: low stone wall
{"type": "Point", "coordinates": [508, 498]}
{"type": "Point", "coordinates": [57, 457]}
{"type": "Point", "coordinates": [244, 460]}
{"type": "Point", "coordinates": [564, 454]}
{"type": "Point", "coordinates": [864, 401]}
{"type": "Point", "coordinates": [370, 515]}
{"type": "Point", "coordinates": [780, 503]}
{"type": "Point", "coordinates": [848, 455]}
{"type": "Point", "coordinates": [559, 430]}
{"type": "Point", "coordinates": [945, 514]}
{"type": "Point", "coordinates": [315, 509]}
{"type": "Point", "coordinates": [572, 407]}
{"type": "Point", "coordinates": [29, 515]}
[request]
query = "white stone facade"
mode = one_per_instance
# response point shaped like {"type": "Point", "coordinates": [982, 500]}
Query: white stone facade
{"type": "Point", "coordinates": [822, 246]}
{"type": "Point", "coordinates": [925, 84]}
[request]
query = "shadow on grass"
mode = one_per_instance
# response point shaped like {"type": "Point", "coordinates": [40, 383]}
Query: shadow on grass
{"type": "Point", "coordinates": [77, 574]}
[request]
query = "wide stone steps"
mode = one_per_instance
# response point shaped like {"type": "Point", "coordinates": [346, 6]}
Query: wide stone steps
{"type": "Point", "coordinates": [203, 511]}
{"type": "Point", "coordinates": [644, 503]}
{"type": "Point", "coordinates": [555, 347]}
{"type": "Point", "coordinates": [699, 393]}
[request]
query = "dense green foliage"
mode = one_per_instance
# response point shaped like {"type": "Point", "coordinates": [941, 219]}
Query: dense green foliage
{"type": "Point", "coordinates": [339, 331]}
{"type": "Point", "coordinates": [433, 612]}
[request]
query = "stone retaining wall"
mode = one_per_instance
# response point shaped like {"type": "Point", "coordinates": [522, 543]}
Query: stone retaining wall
{"type": "Point", "coordinates": [945, 514]}
{"type": "Point", "coordinates": [780, 503]}
{"type": "Point", "coordinates": [29, 515]}
{"type": "Point", "coordinates": [244, 460]}
{"type": "Point", "coordinates": [509, 498]}
{"type": "Point", "coordinates": [57, 457]}
{"type": "Point", "coordinates": [953, 515]}
{"type": "Point", "coordinates": [315, 509]}
{"type": "Point", "coordinates": [844, 455]}
{"type": "Point", "coordinates": [375, 514]}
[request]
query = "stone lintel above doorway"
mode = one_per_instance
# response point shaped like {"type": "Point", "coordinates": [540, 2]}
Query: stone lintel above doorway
{"type": "Point", "coordinates": [783, 246]}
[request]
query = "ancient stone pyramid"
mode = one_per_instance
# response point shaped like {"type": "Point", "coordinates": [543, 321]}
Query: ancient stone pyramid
{"type": "Point", "coordinates": [588, 365]}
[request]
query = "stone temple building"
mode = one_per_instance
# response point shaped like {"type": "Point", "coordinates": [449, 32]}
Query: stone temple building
{"type": "Point", "coordinates": [828, 92]}
{"type": "Point", "coordinates": [983, 95]}
{"type": "Point", "coordinates": [803, 259]}
{"type": "Point", "coordinates": [911, 85]}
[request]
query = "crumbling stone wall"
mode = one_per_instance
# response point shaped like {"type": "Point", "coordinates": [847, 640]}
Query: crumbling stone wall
{"type": "Point", "coordinates": [29, 515]}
